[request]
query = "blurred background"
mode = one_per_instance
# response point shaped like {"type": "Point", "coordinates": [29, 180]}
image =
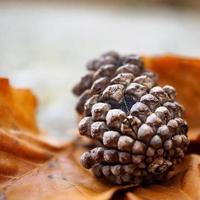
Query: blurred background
{"type": "Point", "coordinates": [44, 45]}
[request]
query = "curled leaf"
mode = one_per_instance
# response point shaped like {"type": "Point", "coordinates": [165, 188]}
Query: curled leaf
{"type": "Point", "coordinates": [182, 73]}
{"type": "Point", "coordinates": [17, 108]}
{"type": "Point", "coordinates": [184, 184]}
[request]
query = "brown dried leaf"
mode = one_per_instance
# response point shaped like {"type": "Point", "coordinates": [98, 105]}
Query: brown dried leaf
{"type": "Point", "coordinates": [60, 178]}
{"type": "Point", "coordinates": [17, 108]}
{"type": "Point", "coordinates": [184, 184]}
{"type": "Point", "coordinates": [184, 74]}
{"type": "Point", "coordinates": [33, 168]}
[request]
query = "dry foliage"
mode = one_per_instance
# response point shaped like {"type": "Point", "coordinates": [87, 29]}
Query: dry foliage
{"type": "Point", "coordinates": [33, 168]}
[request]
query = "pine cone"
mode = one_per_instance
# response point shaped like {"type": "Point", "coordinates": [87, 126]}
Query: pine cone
{"type": "Point", "coordinates": [139, 124]}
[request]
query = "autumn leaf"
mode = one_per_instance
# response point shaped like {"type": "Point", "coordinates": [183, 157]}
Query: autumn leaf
{"type": "Point", "coordinates": [17, 108]}
{"type": "Point", "coordinates": [182, 73]}
{"type": "Point", "coordinates": [184, 184]}
{"type": "Point", "coordinates": [31, 167]}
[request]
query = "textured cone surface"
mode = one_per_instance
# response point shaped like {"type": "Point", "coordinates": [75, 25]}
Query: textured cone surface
{"type": "Point", "coordinates": [139, 124]}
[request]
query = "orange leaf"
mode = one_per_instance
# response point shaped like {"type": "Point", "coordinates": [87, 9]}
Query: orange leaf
{"type": "Point", "coordinates": [60, 178]}
{"type": "Point", "coordinates": [17, 108]}
{"type": "Point", "coordinates": [33, 168]}
{"type": "Point", "coordinates": [184, 184]}
{"type": "Point", "coordinates": [184, 74]}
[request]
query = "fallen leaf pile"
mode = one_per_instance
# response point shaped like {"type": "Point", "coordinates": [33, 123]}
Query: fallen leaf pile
{"type": "Point", "coordinates": [33, 168]}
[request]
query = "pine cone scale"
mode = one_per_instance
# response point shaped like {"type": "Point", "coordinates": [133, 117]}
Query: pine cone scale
{"type": "Point", "coordinates": [138, 123]}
